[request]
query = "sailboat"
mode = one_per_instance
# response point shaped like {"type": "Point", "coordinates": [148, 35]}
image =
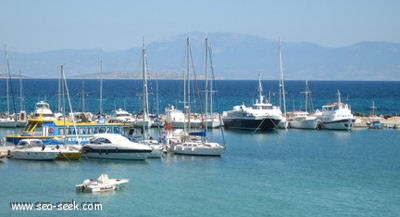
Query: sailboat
{"type": "Point", "coordinates": [68, 151]}
{"type": "Point", "coordinates": [374, 121]}
{"type": "Point", "coordinates": [283, 124]}
{"type": "Point", "coordinates": [211, 119]}
{"type": "Point", "coordinates": [303, 119]}
{"type": "Point", "coordinates": [145, 123]}
{"type": "Point", "coordinates": [6, 119]}
{"type": "Point", "coordinates": [198, 145]}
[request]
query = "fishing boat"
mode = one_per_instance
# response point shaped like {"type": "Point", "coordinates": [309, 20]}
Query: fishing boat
{"type": "Point", "coordinates": [33, 149]}
{"type": "Point", "coordinates": [100, 184]}
{"type": "Point", "coordinates": [335, 116]}
{"type": "Point", "coordinates": [262, 116]}
{"type": "Point", "coordinates": [115, 146]}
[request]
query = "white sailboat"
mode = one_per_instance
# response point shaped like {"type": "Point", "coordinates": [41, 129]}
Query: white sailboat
{"type": "Point", "coordinates": [283, 124]}
{"type": "Point", "coordinates": [211, 119]}
{"type": "Point", "coordinates": [198, 145]}
{"type": "Point", "coordinates": [6, 119]}
{"type": "Point", "coordinates": [144, 121]}
{"type": "Point", "coordinates": [157, 149]}
{"type": "Point", "coordinates": [303, 119]}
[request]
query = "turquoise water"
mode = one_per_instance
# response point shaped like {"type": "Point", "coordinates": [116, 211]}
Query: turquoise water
{"type": "Point", "coordinates": [283, 173]}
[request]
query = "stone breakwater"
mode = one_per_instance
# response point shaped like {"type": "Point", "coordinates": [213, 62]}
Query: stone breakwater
{"type": "Point", "coordinates": [390, 122]}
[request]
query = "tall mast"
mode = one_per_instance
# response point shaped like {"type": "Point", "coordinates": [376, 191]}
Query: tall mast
{"type": "Point", "coordinates": [206, 81]}
{"type": "Point", "coordinates": [282, 83]}
{"type": "Point", "coordinates": [101, 88]}
{"type": "Point", "coordinates": [145, 93]}
{"type": "Point", "coordinates": [20, 93]}
{"type": "Point", "coordinates": [7, 66]}
{"type": "Point", "coordinates": [187, 101]}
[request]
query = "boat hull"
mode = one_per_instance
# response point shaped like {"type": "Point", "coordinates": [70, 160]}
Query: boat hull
{"type": "Point", "coordinates": [304, 124]}
{"type": "Point", "coordinates": [33, 155]}
{"type": "Point", "coordinates": [116, 154]}
{"type": "Point", "coordinates": [264, 124]}
{"type": "Point", "coordinates": [345, 124]}
{"type": "Point", "coordinates": [198, 151]}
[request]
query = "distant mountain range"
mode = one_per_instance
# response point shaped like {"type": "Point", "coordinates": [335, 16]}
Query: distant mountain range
{"type": "Point", "coordinates": [235, 56]}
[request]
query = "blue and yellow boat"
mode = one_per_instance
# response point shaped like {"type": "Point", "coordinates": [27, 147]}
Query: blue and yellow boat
{"type": "Point", "coordinates": [66, 131]}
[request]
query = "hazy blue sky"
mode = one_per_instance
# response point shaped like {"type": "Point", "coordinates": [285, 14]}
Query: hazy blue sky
{"type": "Point", "coordinates": [42, 25]}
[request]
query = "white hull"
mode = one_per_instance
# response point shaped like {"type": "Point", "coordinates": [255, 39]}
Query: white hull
{"type": "Point", "coordinates": [34, 154]}
{"type": "Point", "coordinates": [8, 123]}
{"type": "Point", "coordinates": [200, 149]}
{"type": "Point", "coordinates": [304, 123]}
{"type": "Point", "coordinates": [101, 184]}
{"type": "Point", "coordinates": [345, 124]}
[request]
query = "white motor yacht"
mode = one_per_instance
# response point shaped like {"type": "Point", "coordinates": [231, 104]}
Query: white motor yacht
{"type": "Point", "coordinates": [115, 146]}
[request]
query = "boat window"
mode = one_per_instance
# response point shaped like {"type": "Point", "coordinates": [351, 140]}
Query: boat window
{"type": "Point", "coordinates": [90, 131]}
{"type": "Point", "coordinates": [96, 130]}
{"type": "Point", "coordinates": [116, 130]}
{"type": "Point", "coordinates": [61, 131]}
{"type": "Point", "coordinates": [102, 130]}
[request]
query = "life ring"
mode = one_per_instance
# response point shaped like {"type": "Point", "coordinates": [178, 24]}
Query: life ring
{"type": "Point", "coordinates": [51, 130]}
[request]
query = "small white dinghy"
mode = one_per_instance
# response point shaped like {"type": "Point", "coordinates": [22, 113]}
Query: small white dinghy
{"type": "Point", "coordinates": [101, 184]}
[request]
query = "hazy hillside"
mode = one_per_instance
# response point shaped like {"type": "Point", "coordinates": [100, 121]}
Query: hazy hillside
{"type": "Point", "coordinates": [235, 56]}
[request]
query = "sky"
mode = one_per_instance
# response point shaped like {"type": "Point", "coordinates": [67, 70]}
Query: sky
{"type": "Point", "coordinates": [44, 25]}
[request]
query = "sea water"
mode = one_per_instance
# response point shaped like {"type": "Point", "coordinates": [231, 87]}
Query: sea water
{"type": "Point", "coordinates": [281, 173]}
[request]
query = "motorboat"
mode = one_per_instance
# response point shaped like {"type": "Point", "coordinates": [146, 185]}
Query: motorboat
{"type": "Point", "coordinates": [115, 146]}
{"type": "Point", "coordinates": [335, 116]}
{"type": "Point", "coordinates": [100, 184]}
{"type": "Point", "coordinates": [33, 149]}
{"type": "Point", "coordinates": [201, 148]}
{"type": "Point", "coordinates": [121, 116]}
{"type": "Point", "coordinates": [43, 112]}
{"type": "Point", "coordinates": [262, 116]}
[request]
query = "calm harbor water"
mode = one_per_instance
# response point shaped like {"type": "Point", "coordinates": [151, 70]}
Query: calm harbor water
{"type": "Point", "coordinates": [282, 173]}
